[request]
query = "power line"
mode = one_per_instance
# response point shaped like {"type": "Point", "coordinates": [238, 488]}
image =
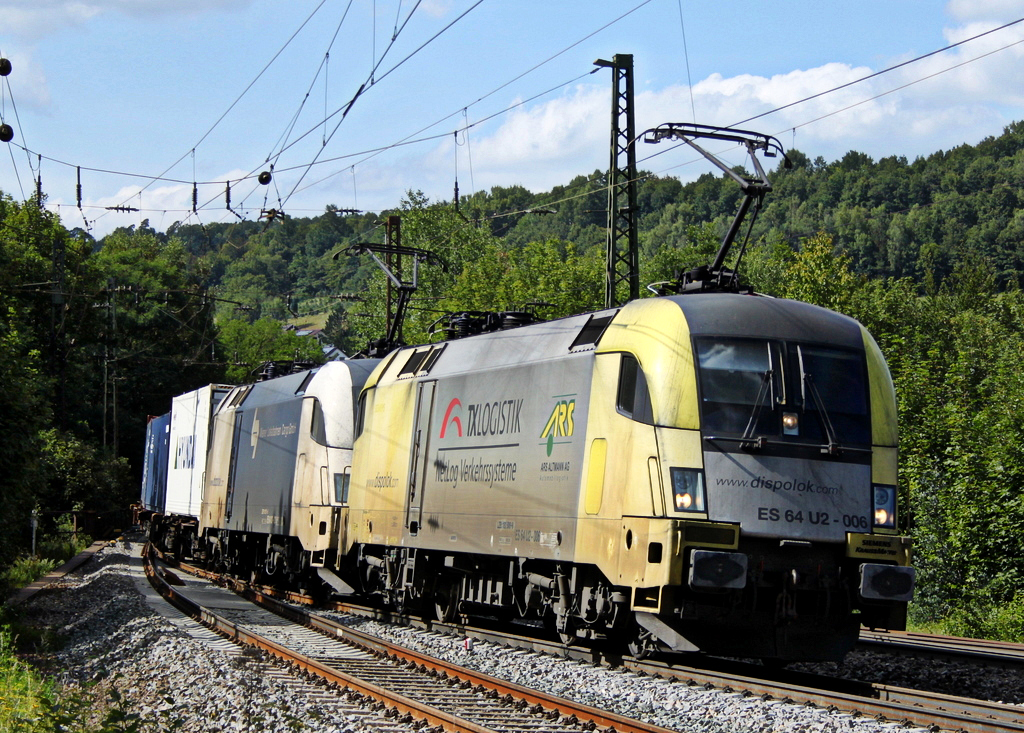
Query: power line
{"type": "Point", "coordinates": [866, 78]}
{"type": "Point", "coordinates": [883, 71]}
{"type": "Point", "coordinates": [238, 98]}
{"type": "Point", "coordinates": [407, 141]}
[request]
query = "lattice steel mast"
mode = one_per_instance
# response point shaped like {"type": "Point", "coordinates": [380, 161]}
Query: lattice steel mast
{"type": "Point", "coordinates": [622, 282]}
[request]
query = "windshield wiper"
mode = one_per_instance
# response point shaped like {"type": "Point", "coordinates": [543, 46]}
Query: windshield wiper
{"type": "Point", "coordinates": [748, 440]}
{"type": "Point", "coordinates": [832, 447]}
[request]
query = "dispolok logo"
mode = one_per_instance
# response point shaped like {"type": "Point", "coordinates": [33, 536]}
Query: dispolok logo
{"type": "Point", "coordinates": [560, 424]}
{"type": "Point", "coordinates": [254, 435]}
{"type": "Point", "coordinates": [452, 419]}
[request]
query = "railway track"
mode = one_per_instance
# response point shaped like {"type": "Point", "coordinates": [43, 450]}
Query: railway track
{"type": "Point", "coordinates": [952, 648]}
{"type": "Point", "coordinates": [882, 702]}
{"type": "Point", "coordinates": [410, 686]}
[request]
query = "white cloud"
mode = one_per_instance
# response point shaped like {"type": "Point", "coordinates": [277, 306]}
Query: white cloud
{"type": "Point", "coordinates": [28, 82]}
{"type": "Point", "coordinates": [436, 8]}
{"type": "Point", "coordinates": [35, 19]}
{"type": "Point", "coordinates": [547, 144]}
{"type": "Point", "coordinates": [1005, 10]}
{"type": "Point", "coordinates": [534, 146]}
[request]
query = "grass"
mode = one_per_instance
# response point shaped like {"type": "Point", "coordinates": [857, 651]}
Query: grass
{"type": "Point", "coordinates": [25, 570]}
{"type": "Point", "coordinates": [309, 322]}
{"type": "Point", "coordinates": [26, 699]}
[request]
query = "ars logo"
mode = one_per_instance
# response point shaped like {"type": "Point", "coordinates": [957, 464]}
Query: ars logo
{"type": "Point", "coordinates": [451, 417]}
{"type": "Point", "coordinates": [560, 424]}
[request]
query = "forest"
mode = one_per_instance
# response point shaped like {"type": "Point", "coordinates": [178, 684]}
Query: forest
{"type": "Point", "coordinates": [98, 334]}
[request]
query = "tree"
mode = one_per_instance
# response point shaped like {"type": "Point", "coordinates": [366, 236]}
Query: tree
{"type": "Point", "coordinates": [248, 345]}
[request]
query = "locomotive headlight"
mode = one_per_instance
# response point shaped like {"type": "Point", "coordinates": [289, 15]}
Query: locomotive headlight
{"type": "Point", "coordinates": [790, 423]}
{"type": "Point", "coordinates": [688, 490]}
{"type": "Point", "coordinates": [884, 506]}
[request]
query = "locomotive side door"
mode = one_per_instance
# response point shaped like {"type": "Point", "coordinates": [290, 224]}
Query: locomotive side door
{"type": "Point", "coordinates": [233, 467]}
{"type": "Point", "coordinates": [420, 455]}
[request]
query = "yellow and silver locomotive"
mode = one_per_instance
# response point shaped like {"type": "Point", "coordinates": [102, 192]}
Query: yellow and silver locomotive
{"type": "Point", "coordinates": [712, 472]}
{"type": "Point", "coordinates": [708, 470]}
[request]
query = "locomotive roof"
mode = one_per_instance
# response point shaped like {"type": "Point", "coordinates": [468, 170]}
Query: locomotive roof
{"type": "Point", "coordinates": [730, 314]}
{"type": "Point", "coordinates": [719, 314]}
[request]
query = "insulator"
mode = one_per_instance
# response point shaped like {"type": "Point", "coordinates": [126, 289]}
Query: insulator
{"type": "Point", "coordinates": [6, 133]}
{"type": "Point", "coordinates": [264, 177]}
{"type": "Point", "coordinates": [515, 319]}
{"type": "Point", "coordinates": [5, 67]}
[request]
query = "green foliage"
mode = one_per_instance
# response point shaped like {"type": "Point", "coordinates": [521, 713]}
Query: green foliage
{"type": "Point", "coordinates": [247, 346]}
{"type": "Point", "coordinates": [667, 259]}
{"type": "Point", "coordinates": [64, 541]}
{"type": "Point", "coordinates": [30, 703]}
{"type": "Point", "coordinates": [24, 571]}
{"type": "Point", "coordinates": [23, 405]}
{"type": "Point", "coordinates": [986, 620]}
{"type": "Point", "coordinates": [551, 274]}
{"type": "Point", "coordinates": [820, 275]}
{"type": "Point", "coordinates": [25, 698]}
{"type": "Point", "coordinates": [54, 545]}
{"type": "Point", "coordinates": [80, 473]}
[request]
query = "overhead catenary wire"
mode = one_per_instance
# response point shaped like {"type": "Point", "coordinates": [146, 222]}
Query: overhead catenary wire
{"type": "Point", "coordinates": [376, 151]}
{"type": "Point", "coordinates": [656, 154]}
{"type": "Point", "coordinates": [240, 96]}
{"type": "Point", "coordinates": [150, 179]}
{"type": "Point", "coordinates": [820, 117]}
{"type": "Point", "coordinates": [467, 126]}
{"type": "Point", "coordinates": [374, 80]}
{"type": "Point", "coordinates": [686, 58]}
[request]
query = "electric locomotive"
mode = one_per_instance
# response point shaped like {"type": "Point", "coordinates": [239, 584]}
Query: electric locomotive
{"type": "Point", "coordinates": [709, 470]}
{"type": "Point", "coordinates": [713, 473]}
{"type": "Point", "coordinates": [275, 498]}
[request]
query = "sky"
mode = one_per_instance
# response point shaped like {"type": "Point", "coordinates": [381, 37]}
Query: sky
{"type": "Point", "coordinates": [173, 109]}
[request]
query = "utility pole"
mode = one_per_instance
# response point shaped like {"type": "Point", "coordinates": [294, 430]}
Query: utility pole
{"type": "Point", "coordinates": [622, 282]}
{"type": "Point", "coordinates": [393, 260]}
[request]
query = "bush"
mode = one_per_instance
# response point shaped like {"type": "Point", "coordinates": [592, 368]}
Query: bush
{"type": "Point", "coordinates": [64, 542]}
{"type": "Point", "coordinates": [25, 570]}
{"type": "Point", "coordinates": [25, 699]}
{"type": "Point", "coordinates": [53, 549]}
{"type": "Point", "coordinates": [1003, 622]}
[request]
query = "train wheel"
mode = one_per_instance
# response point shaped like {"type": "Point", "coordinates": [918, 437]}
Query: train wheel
{"type": "Point", "coordinates": [446, 602]}
{"type": "Point", "coordinates": [643, 644]}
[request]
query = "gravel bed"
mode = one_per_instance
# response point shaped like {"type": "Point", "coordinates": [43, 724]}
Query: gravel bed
{"type": "Point", "coordinates": [113, 644]}
{"type": "Point", "coordinates": [922, 673]}
{"type": "Point", "coordinates": [653, 700]}
{"type": "Point", "coordinates": [113, 640]}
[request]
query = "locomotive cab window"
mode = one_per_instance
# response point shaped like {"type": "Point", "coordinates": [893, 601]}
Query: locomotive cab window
{"type": "Point", "coordinates": [361, 415]}
{"type": "Point", "coordinates": [633, 399]}
{"type": "Point", "coordinates": [833, 388]}
{"type": "Point", "coordinates": [741, 382]}
{"type": "Point", "coordinates": [318, 427]}
{"type": "Point", "coordinates": [798, 393]}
